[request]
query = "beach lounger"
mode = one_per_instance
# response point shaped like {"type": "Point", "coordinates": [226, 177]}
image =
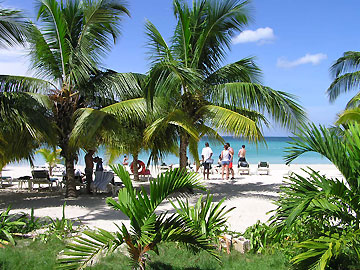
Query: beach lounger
{"type": "Point", "coordinates": [263, 168]}
{"type": "Point", "coordinates": [102, 180]}
{"type": "Point", "coordinates": [7, 179]}
{"type": "Point", "coordinates": [41, 177]}
{"type": "Point", "coordinates": [243, 167]}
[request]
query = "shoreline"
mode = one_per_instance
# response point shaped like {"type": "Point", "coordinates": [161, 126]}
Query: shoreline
{"type": "Point", "coordinates": [252, 195]}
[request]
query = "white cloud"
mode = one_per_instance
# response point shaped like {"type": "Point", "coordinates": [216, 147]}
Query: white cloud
{"type": "Point", "coordinates": [260, 35]}
{"type": "Point", "coordinates": [13, 61]}
{"type": "Point", "coordinates": [314, 59]}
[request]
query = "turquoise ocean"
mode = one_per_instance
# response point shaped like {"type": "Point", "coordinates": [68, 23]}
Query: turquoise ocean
{"type": "Point", "coordinates": [273, 152]}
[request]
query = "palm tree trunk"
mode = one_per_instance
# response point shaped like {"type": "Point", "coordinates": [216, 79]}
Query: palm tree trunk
{"type": "Point", "coordinates": [135, 167]}
{"type": "Point", "coordinates": [184, 142]}
{"type": "Point", "coordinates": [70, 178]}
{"type": "Point", "coordinates": [65, 106]}
{"type": "Point", "coordinates": [50, 170]}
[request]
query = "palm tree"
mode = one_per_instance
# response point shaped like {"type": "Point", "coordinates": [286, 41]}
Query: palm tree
{"type": "Point", "coordinates": [65, 52]}
{"type": "Point", "coordinates": [332, 202]}
{"type": "Point", "coordinates": [148, 228]}
{"type": "Point", "coordinates": [203, 94]}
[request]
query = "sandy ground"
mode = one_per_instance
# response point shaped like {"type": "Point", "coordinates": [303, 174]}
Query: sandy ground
{"type": "Point", "coordinates": [252, 195]}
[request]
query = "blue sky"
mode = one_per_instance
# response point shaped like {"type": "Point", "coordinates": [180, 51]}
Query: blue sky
{"type": "Point", "coordinates": [294, 42]}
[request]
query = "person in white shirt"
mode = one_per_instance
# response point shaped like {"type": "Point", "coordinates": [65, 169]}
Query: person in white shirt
{"type": "Point", "coordinates": [206, 155]}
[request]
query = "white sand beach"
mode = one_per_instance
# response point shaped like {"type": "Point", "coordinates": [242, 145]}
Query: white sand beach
{"type": "Point", "coordinates": [252, 195]}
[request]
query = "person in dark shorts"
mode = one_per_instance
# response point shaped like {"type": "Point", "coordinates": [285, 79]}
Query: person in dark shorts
{"type": "Point", "coordinates": [206, 155]}
{"type": "Point", "coordinates": [242, 153]}
{"type": "Point", "coordinates": [89, 169]}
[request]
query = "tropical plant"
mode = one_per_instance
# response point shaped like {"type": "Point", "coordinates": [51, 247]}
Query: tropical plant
{"type": "Point", "coordinates": [8, 225]}
{"type": "Point", "coordinates": [333, 202]}
{"type": "Point", "coordinates": [202, 95]}
{"type": "Point", "coordinates": [206, 217]}
{"type": "Point", "coordinates": [52, 157]}
{"type": "Point", "coordinates": [65, 52]}
{"type": "Point", "coordinates": [58, 228]}
{"type": "Point", "coordinates": [148, 228]}
{"type": "Point", "coordinates": [32, 223]}
{"type": "Point", "coordinates": [259, 234]}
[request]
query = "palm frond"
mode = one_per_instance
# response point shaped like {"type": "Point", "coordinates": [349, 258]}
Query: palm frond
{"type": "Point", "coordinates": [101, 20]}
{"type": "Point", "coordinates": [319, 252]}
{"type": "Point", "coordinates": [280, 106]}
{"type": "Point", "coordinates": [212, 35]}
{"type": "Point", "coordinates": [55, 31]}
{"type": "Point", "coordinates": [231, 122]}
{"type": "Point", "coordinates": [345, 72]}
{"type": "Point", "coordinates": [343, 84]}
{"type": "Point", "coordinates": [175, 118]}
{"type": "Point", "coordinates": [12, 28]}
{"type": "Point", "coordinates": [244, 70]}
{"type": "Point", "coordinates": [10, 83]}
{"type": "Point", "coordinates": [86, 250]}
{"type": "Point", "coordinates": [348, 116]}
{"type": "Point", "coordinates": [157, 45]}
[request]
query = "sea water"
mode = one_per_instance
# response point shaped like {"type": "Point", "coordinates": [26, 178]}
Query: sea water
{"type": "Point", "coordinates": [273, 152]}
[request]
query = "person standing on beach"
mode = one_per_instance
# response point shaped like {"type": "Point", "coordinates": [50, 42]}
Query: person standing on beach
{"type": "Point", "coordinates": [99, 164]}
{"type": "Point", "coordinates": [242, 153]}
{"type": "Point", "coordinates": [225, 161]}
{"type": "Point", "coordinates": [125, 161]}
{"type": "Point", "coordinates": [89, 169]}
{"type": "Point", "coordinates": [231, 150]}
{"type": "Point", "coordinates": [206, 155]}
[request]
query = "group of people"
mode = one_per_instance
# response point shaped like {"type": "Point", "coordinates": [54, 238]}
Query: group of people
{"type": "Point", "coordinates": [225, 160]}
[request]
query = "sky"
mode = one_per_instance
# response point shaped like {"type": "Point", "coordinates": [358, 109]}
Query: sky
{"type": "Point", "coordinates": [294, 43]}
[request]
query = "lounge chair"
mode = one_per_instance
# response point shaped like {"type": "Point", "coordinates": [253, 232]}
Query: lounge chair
{"type": "Point", "coordinates": [102, 180]}
{"type": "Point", "coordinates": [243, 167]}
{"type": "Point", "coordinates": [263, 168]}
{"type": "Point", "coordinates": [42, 177]}
{"type": "Point", "coordinates": [7, 179]}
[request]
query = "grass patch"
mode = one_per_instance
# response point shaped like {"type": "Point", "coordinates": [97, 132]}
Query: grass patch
{"type": "Point", "coordinates": [172, 257]}
{"type": "Point", "coordinates": [30, 255]}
